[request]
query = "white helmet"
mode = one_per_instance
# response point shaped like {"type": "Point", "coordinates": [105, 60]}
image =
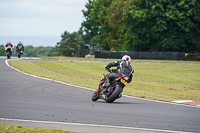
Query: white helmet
{"type": "Point", "coordinates": [126, 58]}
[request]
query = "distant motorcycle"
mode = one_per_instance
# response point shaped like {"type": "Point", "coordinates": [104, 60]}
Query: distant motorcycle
{"type": "Point", "coordinates": [19, 52]}
{"type": "Point", "coordinates": [8, 51]}
{"type": "Point", "coordinates": [111, 93]}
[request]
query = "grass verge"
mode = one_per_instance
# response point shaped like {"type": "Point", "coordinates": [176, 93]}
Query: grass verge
{"type": "Point", "coordinates": [63, 58]}
{"type": "Point", "coordinates": [20, 129]}
{"type": "Point", "coordinates": [154, 81]}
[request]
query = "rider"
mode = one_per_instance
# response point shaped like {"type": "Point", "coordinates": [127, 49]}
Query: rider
{"type": "Point", "coordinates": [124, 68]}
{"type": "Point", "coordinates": [8, 44]}
{"type": "Point", "coordinates": [20, 46]}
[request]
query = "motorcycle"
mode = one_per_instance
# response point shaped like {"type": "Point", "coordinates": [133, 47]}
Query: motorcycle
{"type": "Point", "coordinates": [19, 52]}
{"type": "Point", "coordinates": [113, 91]}
{"type": "Point", "coordinates": [8, 51]}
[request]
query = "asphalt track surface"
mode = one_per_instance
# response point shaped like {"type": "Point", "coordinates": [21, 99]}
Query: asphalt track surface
{"type": "Point", "coordinates": [32, 101]}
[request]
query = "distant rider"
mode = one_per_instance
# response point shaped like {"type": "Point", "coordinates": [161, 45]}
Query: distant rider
{"type": "Point", "coordinates": [8, 44]}
{"type": "Point", "coordinates": [20, 47]}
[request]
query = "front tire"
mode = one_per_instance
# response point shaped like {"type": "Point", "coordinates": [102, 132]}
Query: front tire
{"type": "Point", "coordinates": [8, 55]}
{"type": "Point", "coordinates": [118, 90]}
{"type": "Point", "coordinates": [95, 97]}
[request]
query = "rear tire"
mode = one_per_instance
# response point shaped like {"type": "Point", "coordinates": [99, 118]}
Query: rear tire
{"type": "Point", "coordinates": [94, 97]}
{"type": "Point", "coordinates": [118, 90]}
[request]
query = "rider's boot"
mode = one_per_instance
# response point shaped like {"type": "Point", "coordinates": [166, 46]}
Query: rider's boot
{"type": "Point", "coordinates": [120, 95]}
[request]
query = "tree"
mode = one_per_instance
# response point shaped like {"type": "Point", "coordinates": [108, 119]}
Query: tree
{"type": "Point", "coordinates": [113, 20]}
{"type": "Point", "coordinates": [96, 26]}
{"type": "Point", "coordinates": [30, 51]}
{"type": "Point", "coordinates": [71, 44]}
{"type": "Point", "coordinates": [164, 25]}
{"type": "Point", "coordinates": [2, 51]}
{"type": "Point", "coordinates": [143, 25]}
{"type": "Point", "coordinates": [91, 26]}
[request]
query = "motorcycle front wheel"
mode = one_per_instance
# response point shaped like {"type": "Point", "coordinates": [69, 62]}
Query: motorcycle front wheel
{"type": "Point", "coordinates": [19, 55]}
{"type": "Point", "coordinates": [8, 55]}
{"type": "Point", "coordinates": [94, 97]}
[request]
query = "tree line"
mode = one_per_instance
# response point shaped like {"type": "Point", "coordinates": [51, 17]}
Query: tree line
{"type": "Point", "coordinates": [143, 25]}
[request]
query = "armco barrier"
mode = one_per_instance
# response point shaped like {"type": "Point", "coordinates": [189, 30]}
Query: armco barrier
{"type": "Point", "coordinates": [142, 55]}
{"type": "Point", "coordinates": [193, 57]}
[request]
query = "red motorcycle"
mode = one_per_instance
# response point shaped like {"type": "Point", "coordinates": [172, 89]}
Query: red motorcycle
{"type": "Point", "coordinates": [113, 91]}
{"type": "Point", "coordinates": [8, 51]}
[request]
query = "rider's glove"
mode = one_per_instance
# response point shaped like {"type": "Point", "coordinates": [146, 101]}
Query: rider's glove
{"type": "Point", "coordinates": [107, 68]}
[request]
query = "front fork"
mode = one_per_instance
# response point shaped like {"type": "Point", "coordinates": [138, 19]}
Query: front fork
{"type": "Point", "coordinates": [98, 91]}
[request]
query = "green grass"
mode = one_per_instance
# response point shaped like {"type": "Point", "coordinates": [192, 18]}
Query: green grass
{"type": "Point", "coordinates": [63, 58]}
{"type": "Point", "coordinates": [20, 129]}
{"type": "Point", "coordinates": [154, 81]}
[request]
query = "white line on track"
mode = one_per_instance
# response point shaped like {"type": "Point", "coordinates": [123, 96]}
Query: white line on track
{"type": "Point", "coordinates": [92, 125]}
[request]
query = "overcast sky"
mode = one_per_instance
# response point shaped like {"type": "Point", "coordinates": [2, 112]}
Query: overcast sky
{"type": "Point", "coordinates": [40, 17]}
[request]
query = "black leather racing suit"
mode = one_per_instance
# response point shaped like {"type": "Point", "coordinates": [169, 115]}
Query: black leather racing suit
{"type": "Point", "coordinates": [124, 68]}
{"type": "Point", "coordinates": [20, 46]}
{"type": "Point", "coordinates": [8, 44]}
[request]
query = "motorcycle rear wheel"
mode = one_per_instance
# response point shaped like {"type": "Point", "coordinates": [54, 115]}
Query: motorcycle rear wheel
{"type": "Point", "coordinates": [118, 90]}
